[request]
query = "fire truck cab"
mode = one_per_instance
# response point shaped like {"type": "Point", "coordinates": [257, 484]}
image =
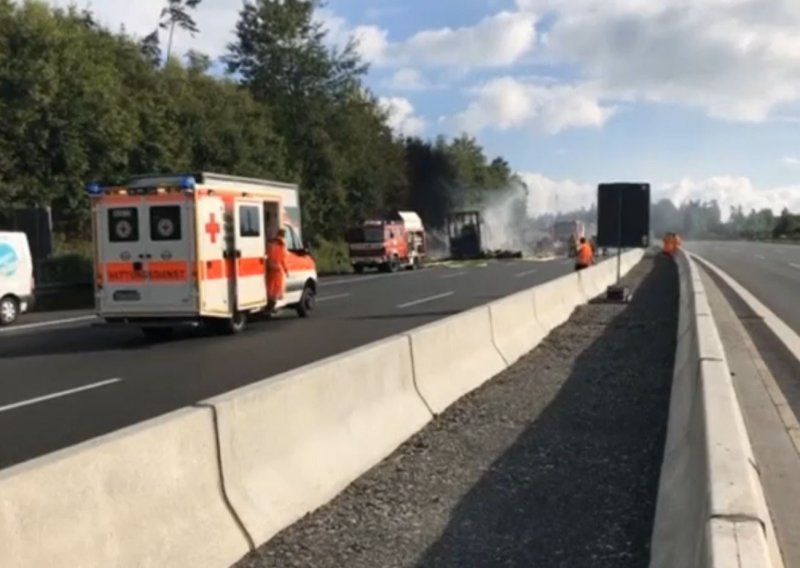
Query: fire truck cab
{"type": "Point", "coordinates": [388, 244]}
{"type": "Point", "coordinates": [191, 249]}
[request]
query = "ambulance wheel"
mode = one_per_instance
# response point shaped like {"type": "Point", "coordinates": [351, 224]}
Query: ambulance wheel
{"type": "Point", "coordinates": [9, 310]}
{"type": "Point", "coordinates": [307, 302]}
{"type": "Point", "coordinates": [157, 333]}
{"type": "Point", "coordinates": [232, 325]}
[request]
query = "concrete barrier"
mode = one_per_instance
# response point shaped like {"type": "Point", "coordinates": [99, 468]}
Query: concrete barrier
{"type": "Point", "coordinates": [148, 495]}
{"type": "Point", "coordinates": [290, 444]}
{"type": "Point", "coordinates": [442, 378]}
{"type": "Point", "coordinates": [711, 509]}
{"type": "Point", "coordinates": [514, 325]}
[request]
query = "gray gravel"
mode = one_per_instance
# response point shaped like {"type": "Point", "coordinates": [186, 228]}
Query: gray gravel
{"type": "Point", "coordinates": [553, 463]}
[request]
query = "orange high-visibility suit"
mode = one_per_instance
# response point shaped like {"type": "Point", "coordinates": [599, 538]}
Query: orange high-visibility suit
{"type": "Point", "coordinates": [585, 256]}
{"type": "Point", "coordinates": [669, 244]}
{"type": "Point", "coordinates": [276, 268]}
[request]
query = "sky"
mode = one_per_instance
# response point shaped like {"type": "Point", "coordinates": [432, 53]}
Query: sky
{"type": "Point", "coordinates": [700, 98]}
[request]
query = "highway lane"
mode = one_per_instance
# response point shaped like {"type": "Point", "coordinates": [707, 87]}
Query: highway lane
{"type": "Point", "coordinates": [66, 384]}
{"type": "Point", "coordinates": [771, 272]}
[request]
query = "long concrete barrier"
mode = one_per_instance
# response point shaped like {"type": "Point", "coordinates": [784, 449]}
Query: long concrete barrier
{"type": "Point", "coordinates": [202, 486]}
{"type": "Point", "coordinates": [711, 509]}
{"type": "Point", "coordinates": [148, 495]}
{"type": "Point", "coordinates": [290, 444]}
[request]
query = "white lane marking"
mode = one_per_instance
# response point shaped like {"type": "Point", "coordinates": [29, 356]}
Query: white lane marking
{"type": "Point", "coordinates": [793, 265]}
{"type": "Point", "coordinates": [759, 257]}
{"type": "Point", "coordinates": [58, 394]}
{"type": "Point", "coordinates": [334, 297]}
{"type": "Point", "coordinates": [457, 274]}
{"type": "Point", "coordinates": [423, 300]}
{"type": "Point", "coordinates": [357, 279]}
{"type": "Point", "coordinates": [46, 323]}
{"type": "Point", "coordinates": [526, 273]}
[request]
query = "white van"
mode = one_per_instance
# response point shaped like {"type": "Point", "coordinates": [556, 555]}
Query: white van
{"type": "Point", "coordinates": [16, 276]}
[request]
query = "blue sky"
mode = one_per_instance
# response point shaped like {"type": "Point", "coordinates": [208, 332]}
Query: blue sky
{"type": "Point", "coordinates": [699, 97]}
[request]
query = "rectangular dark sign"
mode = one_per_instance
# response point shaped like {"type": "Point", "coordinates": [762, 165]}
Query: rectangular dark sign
{"type": "Point", "coordinates": [623, 215]}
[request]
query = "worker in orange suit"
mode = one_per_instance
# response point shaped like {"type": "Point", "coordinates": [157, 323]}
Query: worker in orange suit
{"type": "Point", "coordinates": [277, 271]}
{"type": "Point", "coordinates": [584, 257]}
{"type": "Point", "coordinates": [669, 243]}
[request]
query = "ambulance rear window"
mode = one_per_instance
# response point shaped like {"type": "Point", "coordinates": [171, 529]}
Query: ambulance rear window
{"type": "Point", "coordinates": [123, 224]}
{"type": "Point", "coordinates": [165, 223]}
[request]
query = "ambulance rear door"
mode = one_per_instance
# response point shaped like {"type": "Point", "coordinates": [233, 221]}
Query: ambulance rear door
{"type": "Point", "coordinates": [170, 254]}
{"type": "Point", "coordinates": [249, 254]}
{"type": "Point", "coordinates": [122, 252]}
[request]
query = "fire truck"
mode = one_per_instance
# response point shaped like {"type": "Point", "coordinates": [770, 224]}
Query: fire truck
{"type": "Point", "coordinates": [191, 249]}
{"type": "Point", "coordinates": [388, 244]}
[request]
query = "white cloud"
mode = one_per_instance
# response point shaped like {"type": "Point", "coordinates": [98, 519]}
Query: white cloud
{"type": "Point", "coordinates": [737, 59]}
{"type": "Point", "coordinates": [401, 116]}
{"type": "Point", "coordinates": [499, 40]}
{"type": "Point", "coordinates": [792, 161]}
{"type": "Point", "coordinates": [407, 79]}
{"type": "Point", "coordinates": [506, 103]}
{"type": "Point", "coordinates": [728, 191]}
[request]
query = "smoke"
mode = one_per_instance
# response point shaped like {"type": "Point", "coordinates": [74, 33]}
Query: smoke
{"type": "Point", "coordinates": [506, 222]}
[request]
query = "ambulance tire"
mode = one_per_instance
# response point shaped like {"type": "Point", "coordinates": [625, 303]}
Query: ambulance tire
{"type": "Point", "coordinates": [231, 326]}
{"type": "Point", "coordinates": [307, 302]}
{"type": "Point", "coordinates": [157, 333]}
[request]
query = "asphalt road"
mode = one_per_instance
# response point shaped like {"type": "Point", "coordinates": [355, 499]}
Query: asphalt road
{"type": "Point", "coordinates": [62, 383]}
{"type": "Point", "coordinates": [771, 272]}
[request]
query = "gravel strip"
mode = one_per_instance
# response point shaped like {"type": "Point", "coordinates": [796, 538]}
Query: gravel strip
{"type": "Point", "coordinates": [553, 463]}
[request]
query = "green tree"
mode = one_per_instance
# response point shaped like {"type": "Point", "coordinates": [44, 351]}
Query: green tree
{"type": "Point", "coordinates": [177, 13]}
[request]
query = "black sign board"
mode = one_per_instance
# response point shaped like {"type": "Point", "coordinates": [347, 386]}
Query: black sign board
{"type": "Point", "coordinates": [623, 215]}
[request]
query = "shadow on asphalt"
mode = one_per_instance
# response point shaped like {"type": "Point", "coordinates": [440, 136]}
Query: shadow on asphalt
{"type": "Point", "coordinates": [93, 340]}
{"type": "Point", "coordinates": [578, 487]}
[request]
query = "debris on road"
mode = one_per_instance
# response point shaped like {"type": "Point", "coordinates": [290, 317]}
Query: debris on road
{"type": "Point", "coordinates": [555, 462]}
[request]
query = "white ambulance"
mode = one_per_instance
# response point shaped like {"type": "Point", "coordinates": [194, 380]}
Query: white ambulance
{"type": "Point", "coordinates": [191, 249]}
{"type": "Point", "coordinates": [16, 276]}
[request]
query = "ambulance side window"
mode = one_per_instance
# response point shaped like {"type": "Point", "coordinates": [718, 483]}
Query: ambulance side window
{"type": "Point", "coordinates": [165, 223]}
{"type": "Point", "coordinates": [249, 221]}
{"type": "Point", "coordinates": [123, 224]}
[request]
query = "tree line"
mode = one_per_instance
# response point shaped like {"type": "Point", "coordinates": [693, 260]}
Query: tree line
{"type": "Point", "coordinates": [80, 102]}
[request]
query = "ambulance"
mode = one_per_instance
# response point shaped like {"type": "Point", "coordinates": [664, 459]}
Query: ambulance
{"type": "Point", "coordinates": [191, 249]}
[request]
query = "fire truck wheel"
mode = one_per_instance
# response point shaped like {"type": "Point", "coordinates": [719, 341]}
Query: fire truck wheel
{"type": "Point", "coordinates": [307, 302]}
{"type": "Point", "coordinates": [157, 333]}
{"type": "Point", "coordinates": [359, 268]}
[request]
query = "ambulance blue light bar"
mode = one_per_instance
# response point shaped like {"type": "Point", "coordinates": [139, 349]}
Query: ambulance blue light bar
{"type": "Point", "coordinates": [187, 182]}
{"type": "Point", "coordinates": [94, 188]}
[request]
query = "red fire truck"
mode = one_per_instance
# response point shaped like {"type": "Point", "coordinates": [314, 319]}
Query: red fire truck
{"type": "Point", "coordinates": [388, 244]}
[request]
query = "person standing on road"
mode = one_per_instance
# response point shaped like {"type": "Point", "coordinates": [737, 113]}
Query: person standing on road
{"type": "Point", "coordinates": [584, 255]}
{"type": "Point", "coordinates": [277, 271]}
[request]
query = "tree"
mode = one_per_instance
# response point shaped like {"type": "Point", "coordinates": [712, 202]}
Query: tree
{"type": "Point", "coordinates": [177, 14]}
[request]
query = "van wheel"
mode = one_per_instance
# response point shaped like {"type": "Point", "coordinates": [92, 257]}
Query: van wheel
{"type": "Point", "coordinates": [9, 310]}
{"type": "Point", "coordinates": [308, 302]}
{"type": "Point", "coordinates": [157, 333]}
